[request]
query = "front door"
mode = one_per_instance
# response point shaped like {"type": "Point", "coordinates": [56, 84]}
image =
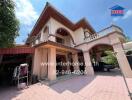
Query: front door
{"type": "Point", "coordinates": [60, 66]}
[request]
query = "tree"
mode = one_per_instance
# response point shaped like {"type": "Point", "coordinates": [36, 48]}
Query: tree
{"type": "Point", "coordinates": [110, 58]}
{"type": "Point", "coordinates": [128, 39]}
{"type": "Point", "coordinates": [9, 25]}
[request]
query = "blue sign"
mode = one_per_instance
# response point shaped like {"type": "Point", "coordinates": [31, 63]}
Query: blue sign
{"type": "Point", "coordinates": [117, 11]}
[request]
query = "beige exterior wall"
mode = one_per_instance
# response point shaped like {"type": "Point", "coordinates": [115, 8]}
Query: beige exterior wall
{"type": "Point", "coordinates": [79, 36]}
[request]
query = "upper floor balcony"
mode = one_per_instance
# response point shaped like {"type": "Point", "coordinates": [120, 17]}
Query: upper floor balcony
{"type": "Point", "coordinates": [61, 37]}
{"type": "Point", "coordinates": [104, 32]}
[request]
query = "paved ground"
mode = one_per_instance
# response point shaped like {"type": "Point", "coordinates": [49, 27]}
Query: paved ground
{"type": "Point", "coordinates": [104, 86]}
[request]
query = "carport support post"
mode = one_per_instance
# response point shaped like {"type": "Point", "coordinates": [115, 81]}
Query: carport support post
{"type": "Point", "coordinates": [88, 65]}
{"type": "Point", "coordinates": [1, 57]}
{"type": "Point", "coordinates": [52, 63]}
{"type": "Point", "coordinates": [122, 60]}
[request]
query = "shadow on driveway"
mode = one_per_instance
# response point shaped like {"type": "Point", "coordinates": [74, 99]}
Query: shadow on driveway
{"type": "Point", "coordinates": [74, 85]}
{"type": "Point", "coordinates": [8, 93]}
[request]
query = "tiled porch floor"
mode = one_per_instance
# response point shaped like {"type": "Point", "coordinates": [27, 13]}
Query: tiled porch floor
{"type": "Point", "coordinates": [104, 86]}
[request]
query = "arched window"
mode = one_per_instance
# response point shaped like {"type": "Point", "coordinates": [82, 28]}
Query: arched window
{"type": "Point", "coordinates": [46, 29]}
{"type": "Point", "coordinates": [62, 33]}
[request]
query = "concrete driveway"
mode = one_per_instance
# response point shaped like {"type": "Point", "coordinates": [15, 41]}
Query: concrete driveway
{"type": "Point", "coordinates": [103, 86]}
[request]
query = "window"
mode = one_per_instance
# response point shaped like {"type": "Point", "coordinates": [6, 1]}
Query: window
{"type": "Point", "coordinates": [46, 29]}
{"type": "Point", "coordinates": [86, 33]}
{"type": "Point", "coordinates": [59, 40]}
{"type": "Point", "coordinates": [39, 36]}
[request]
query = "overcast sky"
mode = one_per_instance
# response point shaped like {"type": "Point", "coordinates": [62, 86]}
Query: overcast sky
{"type": "Point", "coordinates": [97, 12]}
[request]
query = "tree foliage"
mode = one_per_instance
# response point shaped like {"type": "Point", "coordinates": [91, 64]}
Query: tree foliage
{"type": "Point", "coordinates": [110, 58]}
{"type": "Point", "coordinates": [9, 25]}
{"type": "Point", "coordinates": [128, 39]}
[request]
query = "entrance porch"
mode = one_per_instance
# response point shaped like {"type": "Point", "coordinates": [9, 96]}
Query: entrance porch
{"type": "Point", "coordinates": [52, 60]}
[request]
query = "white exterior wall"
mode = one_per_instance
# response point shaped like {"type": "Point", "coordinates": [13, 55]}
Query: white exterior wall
{"type": "Point", "coordinates": [68, 41]}
{"type": "Point", "coordinates": [79, 36]}
{"type": "Point", "coordinates": [44, 36]}
{"type": "Point", "coordinates": [53, 25]}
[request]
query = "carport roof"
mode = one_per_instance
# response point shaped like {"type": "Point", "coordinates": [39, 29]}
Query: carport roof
{"type": "Point", "coordinates": [19, 49]}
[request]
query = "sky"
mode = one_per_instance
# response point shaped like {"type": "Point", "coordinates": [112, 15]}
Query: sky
{"type": "Point", "coordinates": [97, 12]}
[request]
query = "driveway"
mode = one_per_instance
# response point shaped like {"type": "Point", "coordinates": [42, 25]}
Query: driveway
{"type": "Point", "coordinates": [103, 86]}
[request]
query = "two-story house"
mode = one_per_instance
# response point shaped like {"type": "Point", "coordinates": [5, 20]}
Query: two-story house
{"type": "Point", "coordinates": [56, 39]}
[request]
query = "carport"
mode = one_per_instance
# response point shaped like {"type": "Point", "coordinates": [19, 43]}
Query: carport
{"type": "Point", "coordinates": [12, 57]}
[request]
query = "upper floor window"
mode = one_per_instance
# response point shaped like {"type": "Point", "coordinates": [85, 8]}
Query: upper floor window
{"type": "Point", "coordinates": [39, 37]}
{"type": "Point", "coordinates": [60, 40]}
{"type": "Point", "coordinates": [46, 29]}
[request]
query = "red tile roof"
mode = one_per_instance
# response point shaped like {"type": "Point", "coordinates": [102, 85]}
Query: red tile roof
{"type": "Point", "coordinates": [21, 49]}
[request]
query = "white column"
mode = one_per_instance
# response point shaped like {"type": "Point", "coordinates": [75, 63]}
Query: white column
{"type": "Point", "coordinates": [75, 61]}
{"type": "Point", "coordinates": [88, 69]}
{"type": "Point", "coordinates": [52, 63]}
{"type": "Point", "coordinates": [122, 60]}
{"type": "Point", "coordinates": [1, 57]}
{"type": "Point", "coordinates": [44, 59]}
{"type": "Point", "coordinates": [37, 62]}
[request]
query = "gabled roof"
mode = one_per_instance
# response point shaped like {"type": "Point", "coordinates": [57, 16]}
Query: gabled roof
{"type": "Point", "coordinates": [117, 7]}
{"type": "Point", "coordinates": [50, 11]}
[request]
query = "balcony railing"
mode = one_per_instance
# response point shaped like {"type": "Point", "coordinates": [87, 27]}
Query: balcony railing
{"type": "Point", "coordinates": [92, 37]}
{"type": "Point", "coordinates": [104, 32]}
{"type": "Point", "coordinates": [110, 29]}
{"type": "Point", "coordinates": [50, 38]}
